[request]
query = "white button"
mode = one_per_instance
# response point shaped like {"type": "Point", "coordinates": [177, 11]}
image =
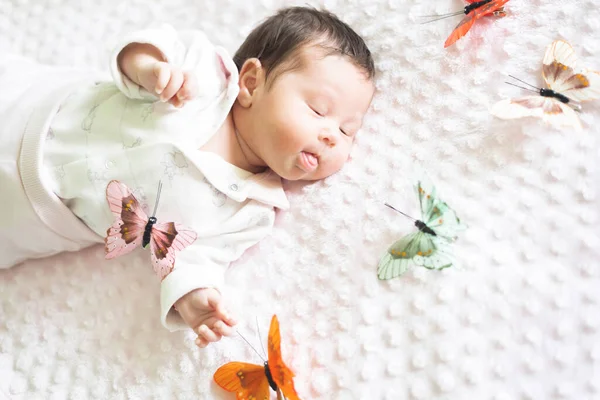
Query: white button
{"type": "Point", "coordinates": [108, 164]}
{"type": "Point", "coordinates": [233, 187]}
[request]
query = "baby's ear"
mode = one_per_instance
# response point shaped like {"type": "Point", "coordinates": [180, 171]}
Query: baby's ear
{"type": "Point", "coordinates": [251, 77]}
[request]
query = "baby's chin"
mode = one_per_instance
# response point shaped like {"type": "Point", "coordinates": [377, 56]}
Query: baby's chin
{"type": "Point", "coordinates": [292, 172]}
{"type": "Point", "coordinates": [299, 175]}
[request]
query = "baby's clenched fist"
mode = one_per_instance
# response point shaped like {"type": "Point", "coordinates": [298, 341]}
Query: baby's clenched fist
{"type": "Point", "coordinates": [145, 65]}
{"type": "Point", "coordinates": [203, 310]}
{"type": "Point", "coordinates": [173, 85]}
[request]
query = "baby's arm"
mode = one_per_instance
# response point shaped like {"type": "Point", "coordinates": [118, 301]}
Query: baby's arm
{"type": "Point", "coordinates": [162, 64]}
{"type": "Point", "coordinates": [191, 295]}
{"type": "Point", "coordinates": [145, 65]}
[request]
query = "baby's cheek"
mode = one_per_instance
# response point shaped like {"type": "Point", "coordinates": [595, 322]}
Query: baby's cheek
{"type": "Point", "coordinates": [336, 164]}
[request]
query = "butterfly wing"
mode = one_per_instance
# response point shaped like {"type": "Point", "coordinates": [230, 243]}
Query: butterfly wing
{"type": "Point", "coordinates": [166, 239]}
{"type": "Point", "coordinates": [550, 110]}
{"type": "Point", "coordinates": [467, 22]}
{"type": "Point", "coordinates": [427, 196]}
{"type": "Point", "coordinates": [416, 249]}
{"type": "Point", "coordinates": [282, 375]}
{"type": "Point", "coordinates": [461, 29]}
{"type": "Point", "coordinates": [245, 380]}
{"type": "Point", "coordinates": [401, 255]}
{"type": "Point", "coordinates": [561, 74]}
{"type": "Point", "coordinates": [127, 231]}
{"type": "Point", "coordinates": [440, 258]}
{"type": "Point", "coordinates": [436, 214]}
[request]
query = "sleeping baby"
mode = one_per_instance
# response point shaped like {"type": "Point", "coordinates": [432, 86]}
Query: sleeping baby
{"type": "Point", "coordinates": [82, 156]}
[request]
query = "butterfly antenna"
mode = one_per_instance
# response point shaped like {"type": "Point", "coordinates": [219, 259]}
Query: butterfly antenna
{"type": "Point", "coordinates": [157, 198]}
{"type": "Point", "coordinates": [252, 347]}
{"type": "Point", "coordinates": [522, 81]}
{"type": "Point", "coordinates": [523, 87]}
{"type": "Point", "coordinates": [260, 339]}
{"type": "Point", "coordinates": [395, 209]}
{"type": "Point", "coordinates": [575, 105]}
{"type": "Point", "coordinates": [440, 17]}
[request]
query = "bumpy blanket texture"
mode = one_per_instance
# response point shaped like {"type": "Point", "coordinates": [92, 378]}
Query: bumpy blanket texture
{"type": "Point", "coordinates": [517, 319]}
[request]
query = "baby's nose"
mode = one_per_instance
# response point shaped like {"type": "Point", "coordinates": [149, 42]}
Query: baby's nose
{"type": "Point", "coordinates": [327, 137]}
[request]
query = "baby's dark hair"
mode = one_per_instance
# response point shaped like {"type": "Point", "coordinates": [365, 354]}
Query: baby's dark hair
{"type": "Point", "coordinates": [278, 38]}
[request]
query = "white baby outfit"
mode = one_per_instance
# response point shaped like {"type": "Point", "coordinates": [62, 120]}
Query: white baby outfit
{"type": "Point", "coordinates": [99, 131]}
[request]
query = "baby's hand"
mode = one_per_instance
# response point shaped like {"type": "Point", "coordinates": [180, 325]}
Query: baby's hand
{"type": "Point", "coordinates": [168, 82]}
{"type": "Point", "coordinates": [204, 312]}
{"type": "Point", "coordinates": [145, 65]}
{"type": "Point", "coordinates": [172, 84]}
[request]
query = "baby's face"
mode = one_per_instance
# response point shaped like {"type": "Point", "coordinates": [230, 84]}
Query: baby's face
{"type": "Point", "coordinates": [309, 117]}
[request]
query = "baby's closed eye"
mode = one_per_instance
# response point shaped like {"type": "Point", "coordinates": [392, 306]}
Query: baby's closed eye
{"type": "Point", "coordinates": [320, 111]}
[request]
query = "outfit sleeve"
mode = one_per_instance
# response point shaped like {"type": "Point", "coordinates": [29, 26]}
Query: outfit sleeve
{"type": "Point", "coordinates": [190, 50]}
{"type": "Point", "coordinates": [203, 264]}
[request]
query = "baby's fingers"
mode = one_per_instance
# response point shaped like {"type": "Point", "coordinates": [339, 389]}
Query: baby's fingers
{"type": "Point", "coordinates": [201, 342]}
{"type": "Point", "coordinates": [189, 89]}
{"type": "Point", "coordinates": [223, 329]}
{"type": "Point", "coordinates": [162, 71]}
{"type": "Point", "coordinates": [224, 315]}
{"type": "Point", "coordinates": [174, 84]}
{"type": "Point", "coordinates": [208, 335]}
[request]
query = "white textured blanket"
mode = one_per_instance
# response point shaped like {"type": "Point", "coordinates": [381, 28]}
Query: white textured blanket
{"type": "Point", "coordinates": [520, 319]}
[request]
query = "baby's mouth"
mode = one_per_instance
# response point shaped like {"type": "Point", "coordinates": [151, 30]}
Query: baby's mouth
{"type": "Point", "coordinates": [308, 162]}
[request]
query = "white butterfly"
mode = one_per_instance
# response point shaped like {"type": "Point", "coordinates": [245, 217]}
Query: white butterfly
{"type": "Point", "coordinates": [567, 84]}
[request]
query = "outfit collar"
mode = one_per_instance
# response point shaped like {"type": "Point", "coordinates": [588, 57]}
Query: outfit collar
{"type": "Point", "coordinates": [239, 184]}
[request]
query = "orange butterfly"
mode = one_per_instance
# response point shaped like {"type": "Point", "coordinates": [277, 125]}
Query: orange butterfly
{"type": "Point", "coordinates": [474, 11]}
{"type": "Point", "coordinates": [251, 381]}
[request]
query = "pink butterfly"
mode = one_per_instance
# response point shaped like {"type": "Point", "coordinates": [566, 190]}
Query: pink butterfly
{"type": "Point", "coordinates": [132, 227]}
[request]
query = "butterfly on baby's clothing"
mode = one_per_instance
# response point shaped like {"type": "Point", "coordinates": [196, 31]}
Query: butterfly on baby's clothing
{"type": "Point", "coordinates": [568, 85]}
{"type": "Point", "coordinates": [429, 247]}
{"type": "Point", "coordinates": [252, 381]}
{"type": "Point", "coordinates": [474, 11]}
{"type": "Point", "coordinates": [132, 227]}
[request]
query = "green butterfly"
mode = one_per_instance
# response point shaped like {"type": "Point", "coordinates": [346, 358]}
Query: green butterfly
{"type": "Point", "coordinates": [429, 246]}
